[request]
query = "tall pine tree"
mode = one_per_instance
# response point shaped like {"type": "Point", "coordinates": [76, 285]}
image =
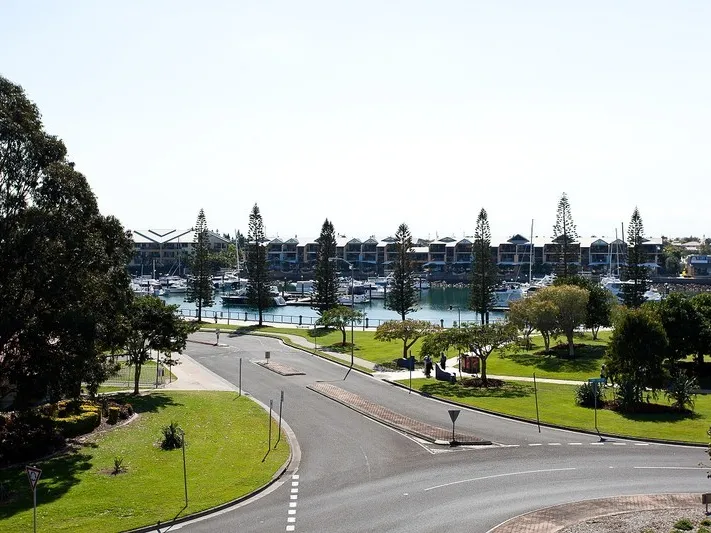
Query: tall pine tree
{"type": "Point", "coordinates": [258, 288]}
{"type": "Point", "coordinates": [402, 295]}
{"type": "Point", "coordinates": [484, 269]}
{"type": "Point", "coordinates": [565, 234]}
{"type": "Point", "coordinates": [635, 271]}
{"type": "Point", "coordinates": [200, 288]}
{"type": "Point", "coordinates": [326, 276]}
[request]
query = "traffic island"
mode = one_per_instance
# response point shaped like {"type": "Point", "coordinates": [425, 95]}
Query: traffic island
{"type": "Point", "coordinates": [406, 424]}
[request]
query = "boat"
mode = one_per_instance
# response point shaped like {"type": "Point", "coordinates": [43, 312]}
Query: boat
{"type": "Point", "coordinates": [350, 299]}
{"type": "Point", "coordinates": [508, 292]}
{"type": "Point", "coordinates": [177, 287]}
{"type": "Point", "coordinates": [616, 287]}
{"type": "Point", "coordinates": [239, 297]}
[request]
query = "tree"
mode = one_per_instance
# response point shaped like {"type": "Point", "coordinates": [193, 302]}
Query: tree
{"type": "Point", "coordinates": [258, 288]}
{"type": "Point", "coordinates": [402, 296]}
{"type": "Point", "coordinates": [683, 324]}
{"type": "Point", "coordinates": [154, 325]}
{"type": "Point", "coordinates": [63, 273]}
{"type": "Point", "coordinates": [484, 270]}
{"type": "Point", "coordinates": [325, 295]}
{"type": "Point", "coordinates": [544, 314]}
{"type": "Point", "coordinates": [565, 233]}
{"type": "Point", "coordinates": [702, 304]}
{"type": "Point", "coordinates": [340, 318]}
{"type": "Point", "coordinates": [636, 354]}
{"type": "Point", "coordinates": [635, 271]}
{"type": "Point", "coordinates": [598, 312]}
{"type": "Point", "coordinates": [200, 288]}
{"type": "Point", "coordinates": [482, 340]}
{"type": "Point", "coordinates": [408, 331]}
{"type": "Point", "coordinates": [571, 304]}
{"type": "Point", "coordinates": [521, 315]}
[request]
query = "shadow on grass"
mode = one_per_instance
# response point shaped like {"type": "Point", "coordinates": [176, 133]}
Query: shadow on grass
{"type": "Point", "coordinates": [148, 403]}
{"type": "Point", "coordinates": [319, 332]}
{"type": "Point", "coordinates": [455, 390]}
{"type": "Point", "coordinates": [59, 474]}
{"type": "Point", "coordinates": [246, 330]}
{"type": "Point", "coordinates": [587, 358]}
{"type": "Point", "coordinates": [665, 415]}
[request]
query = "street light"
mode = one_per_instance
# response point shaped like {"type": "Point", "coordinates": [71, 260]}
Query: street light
{"type": "Point", "coordinates": [459, 314]}
{"type": "Point", "coordinates": [350, 266]}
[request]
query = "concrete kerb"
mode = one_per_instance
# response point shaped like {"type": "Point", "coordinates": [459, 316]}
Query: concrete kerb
{"type": "Point", "coordinates": [290, 466]}
{"type": "Point", "coordinates": [546, 424]}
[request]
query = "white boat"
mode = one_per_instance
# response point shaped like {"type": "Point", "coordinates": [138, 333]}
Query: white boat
{"type": "Point", "coordinates": [239, 297]}
{"type": "Point", "coordinates": [508, 292]}
{"type": "Point", "coordinates": [616, 287]}
{"type": "Point", "coordinates": [350, 299]}
{"type": "Point", "coordinates": [177, 287]}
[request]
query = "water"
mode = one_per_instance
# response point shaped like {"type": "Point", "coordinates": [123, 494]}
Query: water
{"type": "Point", "coordinates": [434, 306]}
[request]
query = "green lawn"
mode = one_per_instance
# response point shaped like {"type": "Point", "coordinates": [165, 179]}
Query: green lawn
{"type": "Point", "coordinates": [516, 361]}
{"type": "Point", "coordinates": [226, 456]}
{"type": "Point", "coordinates": [557, 406]}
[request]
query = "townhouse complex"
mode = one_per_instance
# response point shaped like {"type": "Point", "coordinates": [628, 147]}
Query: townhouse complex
{"type": "Point", "coordinates": [517, 255]}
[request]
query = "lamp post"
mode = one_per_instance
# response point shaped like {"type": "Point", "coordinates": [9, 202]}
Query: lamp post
{"type": "Point", "coordinates": [459, 314]}
{"type": "Point", "coordinates": [350, 266]}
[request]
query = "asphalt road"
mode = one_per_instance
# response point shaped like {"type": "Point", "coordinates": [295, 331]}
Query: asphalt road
{"type": "Point", "coordinates": [356, 475]}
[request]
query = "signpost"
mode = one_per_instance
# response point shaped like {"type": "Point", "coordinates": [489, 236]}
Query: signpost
{"type": "Point", "coordinates": [453, 414]}
{"type": "Point", "coordinates": [217, 334]}
{"type": "Point", "coordinates": [595, 382]}
{"type": "Point", "coordinates": [281, 403]}
{"type": "Point", "coordinates": [33, 474]}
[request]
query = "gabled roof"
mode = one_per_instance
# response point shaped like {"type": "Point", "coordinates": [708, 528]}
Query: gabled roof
{"type": "Point", "coordinates": [518, 239]}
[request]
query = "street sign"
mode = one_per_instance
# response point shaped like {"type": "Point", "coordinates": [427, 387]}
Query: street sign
{"type": "Point", "coordinates": [267, 355]}
{"type": "Point", "coordinates": [33, 474]}
{"type": "Point", "coordinates": [453, 414]}
{"type": "Point", "coordinates": [596, 380]}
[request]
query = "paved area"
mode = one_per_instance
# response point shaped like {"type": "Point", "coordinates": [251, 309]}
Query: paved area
{"type": "Point", "coordinates": [193, 376]}
{"type": "Point", "coordinates": [280, 368]}
{"type": "Point", "coordinates": [554, 519]}
{"type": "Point", "coordinates": [393, 419]}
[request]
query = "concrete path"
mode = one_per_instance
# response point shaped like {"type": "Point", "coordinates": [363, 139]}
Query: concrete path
{"type": "Point", "coordinates": [193, 376]}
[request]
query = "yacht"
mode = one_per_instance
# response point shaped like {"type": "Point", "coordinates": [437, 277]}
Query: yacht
{"type": "Point", "coordinates": [239, 297]}
{"type": "Point", "coordinates": [508, 292]}
{"type": "Point", "coordinates": [615, 286]}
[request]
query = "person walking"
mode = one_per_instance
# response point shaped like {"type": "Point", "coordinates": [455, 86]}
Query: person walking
{"type": "Point", "coordinates": [428, 366]}
{"type": "Point", "coordinates": [443, 361]}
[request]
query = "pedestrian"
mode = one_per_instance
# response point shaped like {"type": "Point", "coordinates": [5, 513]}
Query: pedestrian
{"type": "Point", "coordinates": [443, 361]}
{"type": "Point", "coordinates": [603, 374]}
{"type": "Point", "coordinates": [428, 366]}
{"type": "Point", "coordinates": [217, 334]}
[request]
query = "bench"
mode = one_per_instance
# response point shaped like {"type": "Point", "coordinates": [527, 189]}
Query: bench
{"type": "Point", "coordinates": [443, 375]}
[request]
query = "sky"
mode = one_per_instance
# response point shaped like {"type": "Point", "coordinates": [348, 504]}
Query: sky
{"type": "Point", "coordinates": [377, 113]}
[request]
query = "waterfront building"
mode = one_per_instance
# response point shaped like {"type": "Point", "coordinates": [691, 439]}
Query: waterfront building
{"type": "Point", "coordinates": [167, 248]}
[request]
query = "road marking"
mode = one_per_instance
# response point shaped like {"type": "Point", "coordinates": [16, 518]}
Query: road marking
{"type": "Point", "coordinates": [498, 475]}
{"type": "Point", "coordinates": [619, 444]}
{"type": "Point", "coordinates": [536, 444]}
{"type": "Point", "coordinates": [641, 444]}
{"type": "Point", "coordinates": [575, 444]}
{"type": "Point", "coordinates": [597, 444]}
{"type": "Point", "coordinates": [291, 518]}
{"type": "Point", "coordinates": [554, 444]}
{"type": "Point", "coordinates": [671, 468]}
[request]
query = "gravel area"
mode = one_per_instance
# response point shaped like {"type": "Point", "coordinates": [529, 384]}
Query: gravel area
{"type": "Point", "coordinates": [661, 521]}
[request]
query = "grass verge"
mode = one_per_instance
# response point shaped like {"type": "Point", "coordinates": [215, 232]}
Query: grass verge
{"type": "Point", "coordinates": [557, 406]}
{"type": "Point", "coordinates": [226, 457]}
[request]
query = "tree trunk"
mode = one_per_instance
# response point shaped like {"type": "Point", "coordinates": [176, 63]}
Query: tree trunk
{"type": "Point", "coordinates": [343, 332]}
{"type": "Point", "coordinates": [484, 381]}
{"type": "Point", "coordinates": [546, 341]}
{"type": "Point", "coordinates": [199, 310]}
{"type": "Point", "coordinates": [571, 345]}
{"type": "Point", "coordinates": [594, 330]}
{"type": "Point", "coordinates": [136, 378]}
{"type": "Point", "coordinates": [404, 349]}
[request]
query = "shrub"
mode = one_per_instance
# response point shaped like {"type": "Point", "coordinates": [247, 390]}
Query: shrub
{"type": "Point", "coordinates": [113, 414]}
{"type": "Point", "coordinates": [681, 391]}
{"type": "Point", "coordinates": [27, 436]}
{"type": "Point", "coordinates": [706, 522]}
{"type": "Point", "coordinates": [585, 395]}
{"type": "Point", "coordinates": [703, 529]}
{"type": "Point", "coordinates": [126, 411]}
{"type": "Point", "coordinates": [118, 465]}
{"type": "Point", "coordinates": [626, 395]}
{"type": "Point", "coordinates": [684, 524]}
{"type": "Point", "coordinates": [75, 425]}
{"type": "Point", "coordinates": [172, 437]}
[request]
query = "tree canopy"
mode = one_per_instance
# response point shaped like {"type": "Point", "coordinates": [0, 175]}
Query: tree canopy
{"type": "Point", "coordinates": [325, 295]}
{"type": "Point", "coordinates": [62, 264]}
{"type": "Point", "coordinates": [408, 331]}
{"type": "Point", "coordinates": [635, 271]}
{"type": "Point", "coordinates": [484, 269]}
{"type": "Point", "coordinates": [565, 234]}
{"type": "Point", "coordinates": [200, 288]}
{"type": "Point", "coordinates": [258, 288]}
{"type": "Point", "coordinates": [340, 318]}
{"type": "Point", "coordinates": [402, 296]}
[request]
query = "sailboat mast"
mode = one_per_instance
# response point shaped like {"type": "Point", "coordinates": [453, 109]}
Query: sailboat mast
{"type": "Point", "coordinates": [531, 256]}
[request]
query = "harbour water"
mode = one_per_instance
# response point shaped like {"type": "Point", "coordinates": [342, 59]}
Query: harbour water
{"type": "Point", "coordinates": [434, 306]}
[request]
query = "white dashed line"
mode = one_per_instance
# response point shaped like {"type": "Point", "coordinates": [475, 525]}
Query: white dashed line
{"type": "Point", "coordinates": [575, 444]}
{"type": "Point", "coordinates": [536, 444]}
{"type": "Point", "coordinates": [291, 519]}
{"type": "Point", "coordinates": [619, 444]}
{"type": "Point", "coordinates": [554, 444]}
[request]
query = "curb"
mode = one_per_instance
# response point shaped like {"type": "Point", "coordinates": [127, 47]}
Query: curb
{"type": "Point", "coordinates": [547, 424]}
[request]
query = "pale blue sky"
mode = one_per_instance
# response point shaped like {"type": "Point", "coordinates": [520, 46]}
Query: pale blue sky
{"type": "Point", "coordinates": [373, 113]}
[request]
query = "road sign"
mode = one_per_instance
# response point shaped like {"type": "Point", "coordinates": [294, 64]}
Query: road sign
{"type": "Point", "coordinates": [596, 380]}
{"type": "Point", "coordinates": [33, 474]}
{"type": "Point", "coordinates": [453, 414]}
{"type": "Point", "coordinates": [267, 355]}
